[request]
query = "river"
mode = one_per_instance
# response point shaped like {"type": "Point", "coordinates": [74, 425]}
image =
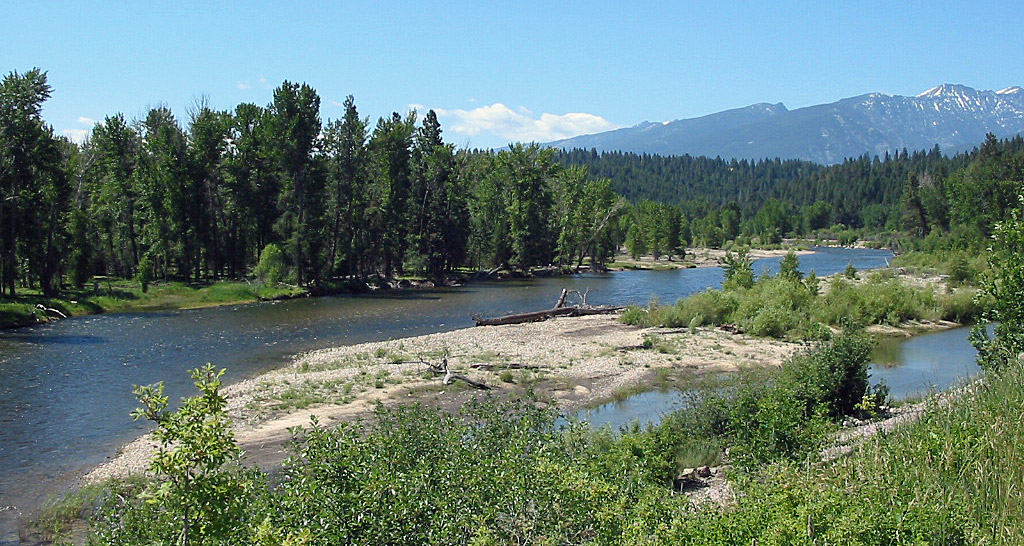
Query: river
{"type": "Point", "coordinates": [910, 368]}
{"type": "Point", "coordinates": [65, 387]}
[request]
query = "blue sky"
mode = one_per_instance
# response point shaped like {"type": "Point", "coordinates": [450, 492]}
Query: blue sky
{"type": "Point", "coordinates": [504, 71]}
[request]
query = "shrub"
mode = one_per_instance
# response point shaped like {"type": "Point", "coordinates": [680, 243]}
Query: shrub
{"type": "Point", "coordinates": [271, 267]}
{"type": "Point", "coordinates": [198, 495]}
{"type": "Point", "coordinates": [144, 273]}
{"type": "Point", "coordinates": [962, 305]}
{"type": "Point", "coordinates": [739, 270]}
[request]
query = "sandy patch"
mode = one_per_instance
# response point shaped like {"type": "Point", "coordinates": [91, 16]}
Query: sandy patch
{"type": "Point", "coordinates": [573, 362]}
{"type": "Point", "coordinates": [695, 257]}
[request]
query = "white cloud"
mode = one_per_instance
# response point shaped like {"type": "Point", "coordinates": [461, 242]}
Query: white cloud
{"type": "Point", "coordinates": [77, 136]}
{"type": "Point", "coordinates": [244, 85]}
{"type": "Point", "coordinates": [86, 121]}
{"type": "Point", "coordinates": [522, 125]}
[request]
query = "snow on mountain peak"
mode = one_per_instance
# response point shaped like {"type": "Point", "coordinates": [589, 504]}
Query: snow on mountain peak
{"type": "Point", "coordinates": [946, 89]}
{"type": "Point", "coordinates": [1010, 91]}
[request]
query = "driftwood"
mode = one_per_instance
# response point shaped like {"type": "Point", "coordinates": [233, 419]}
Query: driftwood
{"type": "Point", "coordinates": [50, 310]}
{"type": "Point", "coordinates": [559, 310]}
{"type": "Point", "coordinates": [537, 316]}
{"type": "Point", "coordinates": [519, 318]}
{"type": "Point", "coordinates": [507, 366]}
{"type": "Point", "coordinates": [450, 377]}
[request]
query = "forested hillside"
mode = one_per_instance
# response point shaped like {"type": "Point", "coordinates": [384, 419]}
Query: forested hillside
{"type": "Point", "coordinates": [684, 200]}
{"type": "Point", "coordinates": [278, 192]}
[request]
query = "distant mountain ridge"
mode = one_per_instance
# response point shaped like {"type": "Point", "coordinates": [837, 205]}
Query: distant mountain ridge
{"type": "Point", "coordinates": [955, 117]}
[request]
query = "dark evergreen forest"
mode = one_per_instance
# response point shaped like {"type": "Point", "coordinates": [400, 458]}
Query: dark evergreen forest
{"type": "Point", "coordinates": [279, 192]}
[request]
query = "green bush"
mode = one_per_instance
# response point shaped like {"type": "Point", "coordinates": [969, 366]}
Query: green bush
{"type": "Point", "coordinates": [963, 305]}
{"type": "Point", "coordinates": [271, 267]}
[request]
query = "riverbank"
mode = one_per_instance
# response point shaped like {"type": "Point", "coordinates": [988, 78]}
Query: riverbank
{"type": "Point", "coordinates": [695, 257]}
{"type": "Point", "coordinates": [110, 295]}
{"type": "Point", "coordinates": [570, 362]}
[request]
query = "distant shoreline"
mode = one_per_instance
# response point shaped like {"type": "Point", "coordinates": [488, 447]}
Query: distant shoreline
{"type": "Point", "coordinates": [26, 311]}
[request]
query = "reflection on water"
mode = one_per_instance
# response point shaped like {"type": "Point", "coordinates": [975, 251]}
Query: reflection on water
{"type": "Point", "coordinates": [928, 362]}
{"type": "Point", "coordinates": [644, 408]}
{"type": "Point", "coordinates": [888, 352]}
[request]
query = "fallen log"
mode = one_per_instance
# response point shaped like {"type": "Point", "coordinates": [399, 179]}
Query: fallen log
{"type": "Point", "coordinates": [519, 318]}
{"type": "Point", "coordinates": [538, 316]}
{"type": "Point", "coordinates": [50, 310]}
{"type": "Point", "coordinates": [507, 366]}
{"type": "Point", "coordinates": [602, 310]}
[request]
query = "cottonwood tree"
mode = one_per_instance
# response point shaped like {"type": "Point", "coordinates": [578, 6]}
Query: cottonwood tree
{"type": "Point", "coordinates": [253, 178]}
{"type": "Point", "coordinates": [438, 229]}
{"type": "Point", "coordinates": [296, 129]}
{"type": "Point", "coordinates": [33, 186]}
{"type": "Point", "coordinates": [383, 241]}
{"type": "Point", "coordinates": [114, 193]}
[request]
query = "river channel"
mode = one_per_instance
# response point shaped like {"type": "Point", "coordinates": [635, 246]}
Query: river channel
{"type": "Point", "coordinates": [65, 387]}
{"type": "Point", "coordinates": [910, 368]}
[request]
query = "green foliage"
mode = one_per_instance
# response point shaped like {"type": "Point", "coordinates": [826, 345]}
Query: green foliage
{"type": "Point", "coordinates": [786, 307]}
{"type": "Point", "coordinates": [271, 268]}
{"type": "Point", "coordinates": [504, 473]}
{"type": "Point", "coordinates": [1005, 286]}
{"type": "Point", "coordinates": [144, 274]}
{"type": "Point", "coordinates": [493, 474]}
{"type": "Point", "coordinates": [789, 267]}
{"type": "Point", "coordinates": [942, 479]}
{"type": "Point", "coordinates": [739, 270]}
{"type": "Point", "coordinates": [195, 497]}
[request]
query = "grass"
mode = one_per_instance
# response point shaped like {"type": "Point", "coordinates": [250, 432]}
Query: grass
{"type": "Point", "coordinates": [803, 309]}
{"type": "Point", "coordinates": [122, 295]}
{"type": "Point", "coordinates": [59, 514]}
{"type": "Point", "coordinates": [945, 479]}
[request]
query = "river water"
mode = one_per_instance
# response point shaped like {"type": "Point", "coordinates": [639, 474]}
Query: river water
{"type": "Point", "coordinates": [65, 387]}
{"type": "Point", "coordinates": [911, 368]}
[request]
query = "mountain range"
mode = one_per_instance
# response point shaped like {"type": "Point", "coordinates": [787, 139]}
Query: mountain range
{"type": "Point", "coordinates": [954, 117]}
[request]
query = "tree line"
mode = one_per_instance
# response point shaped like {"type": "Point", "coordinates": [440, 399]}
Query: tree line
{"type": "Point", "coordinates": [276, 188]}
{"type": "Point", "coordinates": [684, 201]}
{"type": "Point", "coordinates": [335, 200]}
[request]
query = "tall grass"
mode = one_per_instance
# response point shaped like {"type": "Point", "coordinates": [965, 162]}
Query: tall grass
{"type": "Point", "coordinates": [793, 308]}
{"type": "Point", "coordinates": [953, 477]}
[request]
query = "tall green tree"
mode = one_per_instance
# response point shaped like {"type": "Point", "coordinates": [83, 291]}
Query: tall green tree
{"type": "Point", "coordinates": [383, 241]}
{"type": "Point", "coordinates": [985, 191]}
{"type": "Point", "coordinates": [439, 221]}
{"type": "Point", "coordinates": [217, 208]}
{"type": "Point", "coordinates": [253, 178]}
{"type": "Point", "coordinates": [528, 170]}
{"type": "Point", "coordinates": [345, 144]}
{"type": "Point", "coordinates": [911, 209]}
{"type": "Point", "coordinates": [33, 193]}
{"type": "Point", "coordinates": [115, 197]}
{"type": "Point", "coordinates": [170, 197]}
{"type": "Point", "coordinates": [296, 128]}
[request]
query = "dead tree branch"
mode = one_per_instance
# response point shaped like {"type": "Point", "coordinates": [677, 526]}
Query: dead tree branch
{"type": "Point", "coordinates": [450, 377]}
